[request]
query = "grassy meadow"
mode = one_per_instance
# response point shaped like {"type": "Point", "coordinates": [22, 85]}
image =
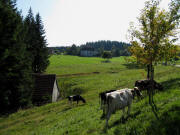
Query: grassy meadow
{"type": "Point", "coordinates": [88, 77]}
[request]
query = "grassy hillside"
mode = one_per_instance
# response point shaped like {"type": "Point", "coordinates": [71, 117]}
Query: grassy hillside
{"type": "Point", "coordinates": [89, 76]}
{"type": "Point", "coordinates": [61, 64]}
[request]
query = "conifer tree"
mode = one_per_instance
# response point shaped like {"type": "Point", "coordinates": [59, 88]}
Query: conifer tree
{"type": "Point", "coordinates": [36, 42]}
{"type": "Point", "coordinates": [41, 56]}
{"type": "Point", "coordinates": [30, 32]}
{"type": "Point", "coordinates": [15, 69]}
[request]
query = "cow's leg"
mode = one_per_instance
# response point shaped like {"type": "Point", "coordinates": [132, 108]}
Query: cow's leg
{"type": "Point", "coordinates": [104, 110]}
{"type": "Point", "coordinates": [70, 101]}
{"type": "Point", "coordinates": [102, 104]}
{"type": "Point", "coordinates": [107, 118]}
{"type": "Point", "coordinates": [129, 109]}
{"type": "Point", "coordinates": [123, 110]}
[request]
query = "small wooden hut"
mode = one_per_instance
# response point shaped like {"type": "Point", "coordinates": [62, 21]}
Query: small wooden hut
{"type": "Point", "coordinates": [45, 89]}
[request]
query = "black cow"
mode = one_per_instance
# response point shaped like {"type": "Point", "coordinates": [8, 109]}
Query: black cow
{"type": "Point", "coordinates": [102, 96]}
{"type": "Point", "coordinates": [76, 98]}
{"type": "Point", "coordinates": [145, 84]}
{"type": "Point", "coordinates": [103, 100]}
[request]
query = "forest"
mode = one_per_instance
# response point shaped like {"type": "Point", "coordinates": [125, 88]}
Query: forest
{"type": "Point", "coordinates": [115, 47]}
{"type": "Point", "coordinates": [24, 52]}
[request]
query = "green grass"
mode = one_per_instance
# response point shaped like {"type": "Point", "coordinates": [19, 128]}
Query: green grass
{"type": "Point", "coordinates": [73, 64]}
{"type": "Point", "coordinates": [85, 119]}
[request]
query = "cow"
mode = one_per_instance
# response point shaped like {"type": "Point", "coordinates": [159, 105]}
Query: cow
{"type": "Point", "coordinates": [102, 98]}
{"type": "Point", "coordinates": [76, 98]}
{"type": "Point", "coordinates": [119, 100]}
{"type": "Point", "coordinates": [145, 85]}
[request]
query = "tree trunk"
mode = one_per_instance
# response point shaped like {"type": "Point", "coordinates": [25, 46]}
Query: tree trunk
{"type": "Point", "coordinates": [137, 60]}
{"type": "Point", "coordinates": [148, 71]}
{"type": "Point", "coordinates": [166, 62]}
{"type": "Point", "coordinates": [150, 76]}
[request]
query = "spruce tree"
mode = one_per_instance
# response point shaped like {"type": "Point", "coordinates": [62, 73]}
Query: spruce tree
{"type": "Point", "coordinates": [36, 42]}
{"type": "Point", "coordinates": [30, 32]}
{"type": "Point", "coordinates": [15, 71]}
{"type": "Point", "coordinates": [41, 56]}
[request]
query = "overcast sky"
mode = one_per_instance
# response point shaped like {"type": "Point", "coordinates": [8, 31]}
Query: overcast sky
{"type": "Point", "coordinates": [68, 22]}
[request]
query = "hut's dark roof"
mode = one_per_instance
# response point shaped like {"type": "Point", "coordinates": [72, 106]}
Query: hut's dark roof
{"type": "Point", "coordinates": [43, 86]}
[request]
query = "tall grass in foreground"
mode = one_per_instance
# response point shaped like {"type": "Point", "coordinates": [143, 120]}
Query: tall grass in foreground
{"type": "Point", "coordinates": [85, 119]}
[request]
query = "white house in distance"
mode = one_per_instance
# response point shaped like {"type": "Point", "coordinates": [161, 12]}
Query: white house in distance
{"type": "Point", "coordinates": [88, 52]}
{"type": "Point", "coordinates": [45, 89]}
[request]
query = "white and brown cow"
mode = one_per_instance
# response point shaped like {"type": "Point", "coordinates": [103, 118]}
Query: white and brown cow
{"type": "Point", "coordinates": [119, 100]}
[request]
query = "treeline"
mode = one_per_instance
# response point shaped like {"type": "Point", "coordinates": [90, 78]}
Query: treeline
{"type": "Point", "coordinates": [115, 47]}
{"type": "Point", "coordinates": [24, 51]}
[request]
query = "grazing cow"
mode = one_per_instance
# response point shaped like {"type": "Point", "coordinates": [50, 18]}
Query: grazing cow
{"type": "Point", "coordinates": [119, 100]}
{"type": "Point", "coordinates": [144, 84]}
{"type": "Point", "coordinates": [76, 98]}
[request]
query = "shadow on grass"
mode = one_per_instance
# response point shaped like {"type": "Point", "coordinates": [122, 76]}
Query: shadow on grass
{"type": "Point", "coordinates": [103, 116]}
{"type": "Point", "coordinates": [124, 120]}
{"type": "Point", "coordinates": [155, 110]}
{"type": "Point", "coordinates": [105, 61]}
{"type": "Point", "coordinates": [121, 121]}
{"type": "Point", "coordinates": [134, 115]}
{"type": "Point", "coordinates": [168, 123]}
{"type": "Point", "coordinates": [172, 83]}
{"type": "Point", "coordinates": [117, 122]}
{"type": "Point", "coordinates": [169, 84]}
{"type": "Point", "coordinates": [133, 66]}
{"type": "Point", "coordinates": [73, 105]}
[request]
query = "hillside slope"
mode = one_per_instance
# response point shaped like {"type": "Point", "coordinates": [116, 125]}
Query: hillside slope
{"type": "Point", "coordinates": [85, 119]}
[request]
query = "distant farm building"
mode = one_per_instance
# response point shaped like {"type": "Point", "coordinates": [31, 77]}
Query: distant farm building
{"type": "Point", "coordinates": [88, 52]}
{"type": "Point", "coordinates": [45, 89]}
{"type": "Point", "coordinates": [51, 50]}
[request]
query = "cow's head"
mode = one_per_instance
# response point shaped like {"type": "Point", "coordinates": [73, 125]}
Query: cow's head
{"type": "Point", "coordinates": [137, 92]}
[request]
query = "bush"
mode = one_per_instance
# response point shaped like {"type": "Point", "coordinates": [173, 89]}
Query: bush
{"type": "Point", "coordinates": [107, 55]}
{"type": "Point", "coordinates": [67, 89]}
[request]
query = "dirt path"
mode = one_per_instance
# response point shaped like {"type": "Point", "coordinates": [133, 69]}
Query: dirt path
{"type": "Point", "coordinates": [78, 74]}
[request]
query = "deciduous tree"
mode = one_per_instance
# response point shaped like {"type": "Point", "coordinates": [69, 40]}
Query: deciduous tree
{"type": "Point", "coordinates": [107, 55]}
{"type": "Point", "coordinates": [157, 30]}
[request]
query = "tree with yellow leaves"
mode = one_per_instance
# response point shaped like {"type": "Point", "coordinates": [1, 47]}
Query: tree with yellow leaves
{"type": "Point", "coordinates": [155, 37]}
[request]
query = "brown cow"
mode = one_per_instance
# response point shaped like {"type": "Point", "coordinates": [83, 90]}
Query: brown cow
{"type": "Point", "coordinates": [145, 84]}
